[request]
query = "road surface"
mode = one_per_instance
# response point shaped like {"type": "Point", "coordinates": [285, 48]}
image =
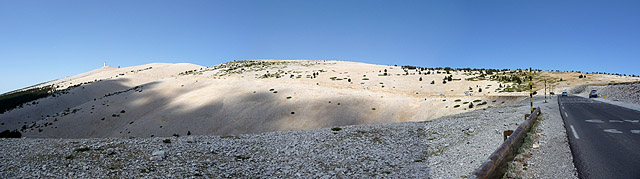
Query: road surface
{"type": "Point", "coordinates": [604, 138]}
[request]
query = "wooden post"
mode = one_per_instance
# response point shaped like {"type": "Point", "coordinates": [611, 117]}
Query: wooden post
{"type": "Point", "coordinates": [545, 91]}
{"type": "Point", "coordinates": [531, 89]}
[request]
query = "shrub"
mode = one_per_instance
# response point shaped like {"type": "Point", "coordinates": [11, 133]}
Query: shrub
{"type": "Point", "coordinates": [477, 100]}
{"type": "Point", "coordinates": [69, 157]}
{"type": "Point", "coordinates": [433, 82]}
{"type": "Point", "coordinates": [11, 100]}
{"type": "Point", "coordinates": [122, 111]}
{"type": "Point", "coordinates": [373, 109]}
{"type": "Point", "coordinates": [166, 141]}
{"type": "Point", "coordinates": [457, 100]}
{"type": "Point", "coordinates": [188, 132]}
{"type": "Point", "coordinates": [336, 129]}
{"type": "Point", "coordinates": [420, 79]}
{"type": "Point", "coordinates": [456, 106]}
{"type": "Point", "coordinates": [288, 97]}
{"type": "Point", "coordinates": [470, 105]}
{"type": "Point", "coordinates": [176, 135]}
{"type": "Point", "coordinates": [11, 134]}
{"type": "Point", "coordinates": [83, 149]}
{"type": "Point", "coordinates": [365, 78]}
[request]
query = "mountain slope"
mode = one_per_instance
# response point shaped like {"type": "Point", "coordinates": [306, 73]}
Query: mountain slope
{"type": "Point", "coordinates": [255, 96]}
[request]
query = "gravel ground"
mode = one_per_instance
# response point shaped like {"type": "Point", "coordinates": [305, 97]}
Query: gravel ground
{"type": "Point", "coordinates": [448, 147]}
{"type": "Point", "coordinates": [548, 155]}
{"type": "Point", "coordinates": [460, 143]}
{"type": "Point", "coordinates": [387, 150]}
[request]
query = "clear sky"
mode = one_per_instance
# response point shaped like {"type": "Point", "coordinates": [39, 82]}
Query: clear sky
{"type": "Point", "coordinates": [47, 40]}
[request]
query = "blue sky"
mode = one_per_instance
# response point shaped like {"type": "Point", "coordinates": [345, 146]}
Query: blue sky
{"type": "Point", "coordinates": [46, 40]}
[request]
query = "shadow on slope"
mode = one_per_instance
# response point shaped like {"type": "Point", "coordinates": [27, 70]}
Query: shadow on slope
{"type": "Point", "coordinates": [200, 110]}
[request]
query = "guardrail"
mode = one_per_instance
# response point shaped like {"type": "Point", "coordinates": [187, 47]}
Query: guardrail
{"type": "Point", "coordinates": [496, 165]}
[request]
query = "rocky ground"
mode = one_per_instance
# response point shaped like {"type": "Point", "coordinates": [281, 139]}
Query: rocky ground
{"type": "Point", "coordinates": [448, 147]}
{"type": "Point", "coordinates": [389, 150]}
{"type": "Point", "coordinates": [626, 93]}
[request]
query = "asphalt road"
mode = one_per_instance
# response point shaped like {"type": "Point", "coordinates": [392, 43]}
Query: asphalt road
{"type": "Point", "coordinates": [604, 138]}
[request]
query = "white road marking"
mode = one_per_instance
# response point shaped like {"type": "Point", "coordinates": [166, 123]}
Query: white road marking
{"type": "Point", "coordinates": [565, 114]}
{"type": "Point", "coordinates": [632, 121]}
{"type": "Point", "coordinates": [594, 121]}
{"type": "Point", "coordinates": [635, 131]}
{"type": "Point", "coordinates": [615, 131]}
{"type": "Point", "coordinates": [619, 121]}
{"type": "Point", "coordinates": [575, 134]}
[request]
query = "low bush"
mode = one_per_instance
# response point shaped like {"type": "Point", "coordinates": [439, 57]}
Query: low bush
{"type": "Point", "coordinates": [336, 129]}
{"type": "Point", "coordinates": [10, 134]}
{"type": "Point", "coordinates": [166, 141]}
{"type": "Point", "coordinates": [83, 149]}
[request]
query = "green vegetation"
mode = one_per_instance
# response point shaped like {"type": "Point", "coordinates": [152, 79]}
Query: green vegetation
{"type": "Point", "coordinates": [69, 157]}
{"type": "Point", "coordinates": [166, 141]}
{"type": "Point", "coordinates": [12, 100]}
{"type": "Point", "coordinates": [457, 100]}
{"type": "Point", "coordinates": [10, 134]}
{"type": "Point", "coordinates": [373, 109]}
{"type": "Point", "coordinates": [242, 157]}
{"type": "Point", "coordinates": [365, 78]}
{"type": "Point", "coordinates": [477, 100]}
{"type": "Point", "coordinates": [456, 106]}
{"type": "Point", "coordinates": [82, 149]}
{"type": "Point", "coordinates": [288, 97]}
{"type": "Point", "coordinates": [465, 103]}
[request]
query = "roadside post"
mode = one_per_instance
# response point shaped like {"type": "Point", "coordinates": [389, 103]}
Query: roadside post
{"type": "Point", "coordinates": [531, 89]}
{"type": "Point", "coordinates": [545, 91]}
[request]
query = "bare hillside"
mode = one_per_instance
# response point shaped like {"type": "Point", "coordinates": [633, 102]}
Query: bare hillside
{"type": "Point", "coordinates": [258, 96]}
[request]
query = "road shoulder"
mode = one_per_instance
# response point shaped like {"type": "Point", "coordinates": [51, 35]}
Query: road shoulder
{"type": "Point", "coordinates": [548, 154]}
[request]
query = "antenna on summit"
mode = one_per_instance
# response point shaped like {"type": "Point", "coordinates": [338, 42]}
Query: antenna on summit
{"type": "Point", "coordinates": [105, 64]}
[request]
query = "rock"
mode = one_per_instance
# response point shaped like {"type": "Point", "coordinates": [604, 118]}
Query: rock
{"type": "Point", "coordinates": [111, 151]}
{"type": "Point", "coordinates": [535, 146]}
{"type": "Point", "coordinates": [158, 155]}
{"type": "Point", "coordinates": [155, 158]}
{"type": "Point", "coordinates": [191, 139]}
